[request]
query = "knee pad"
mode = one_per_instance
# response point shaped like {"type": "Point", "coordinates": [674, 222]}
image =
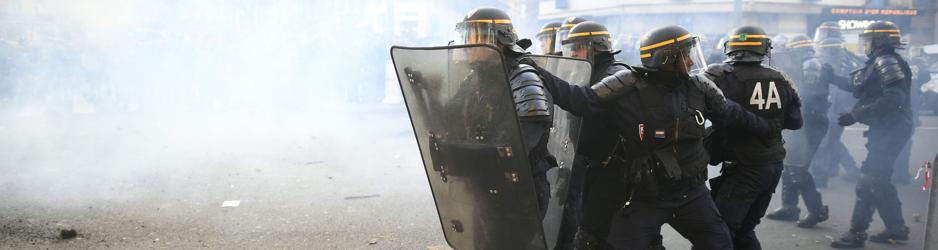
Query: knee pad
{"type": "Point", "coordinates": [797, 174]}
{"type": "Point", "coordinates": [868, 187]}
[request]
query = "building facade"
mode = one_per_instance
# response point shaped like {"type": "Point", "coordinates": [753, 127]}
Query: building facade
{"type": "Point", "coordinates": [715, 17]}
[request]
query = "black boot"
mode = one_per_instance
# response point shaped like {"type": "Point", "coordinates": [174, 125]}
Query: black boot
{"type": "Point", "coordinates": [785, 213]}
{"type": "Point", "coordinates": [850, 239]}
{"type": "Point", "coordinates": [891, 235]}
{"type": "Point", "coordinates": [814, 218]}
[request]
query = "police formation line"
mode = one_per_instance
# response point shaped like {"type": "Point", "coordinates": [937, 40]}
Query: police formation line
{"type": "Point", "coordinates": [644, 135]}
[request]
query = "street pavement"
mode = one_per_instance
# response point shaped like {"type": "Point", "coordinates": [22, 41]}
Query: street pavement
{"type": "Point", "coordinates": [352, 179]}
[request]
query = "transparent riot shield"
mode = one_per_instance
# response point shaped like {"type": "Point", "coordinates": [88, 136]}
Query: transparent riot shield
{"type": "Point", "coordinates": [562, 139]}
{"type": "Point", "coordinates": [464, 118]}
{"type": "Point", "coordinates": [798, 150]}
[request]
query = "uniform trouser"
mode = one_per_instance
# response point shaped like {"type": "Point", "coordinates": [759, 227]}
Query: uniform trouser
{"type": "Point", "coordinates": [902, 162]}
{"type": "Point", "coordinates": [797, 179]}
{"type": "Point", "coordinates": [638, 225]}
{"type": "Point", "coordinates": [835, 155]}
{"type": "Point", "coordinates": [572, 212]}
{"type": "Point", "coordinates": [742, 195]}
{"type": "Point", "coordinates": [605, 194]}
{"type": "Point", "coordinates": [874, 190]}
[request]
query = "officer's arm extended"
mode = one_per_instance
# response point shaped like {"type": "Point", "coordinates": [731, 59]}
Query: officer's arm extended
{"type": "Point", "coordinates": [588, 101]}
{"type": "Point", "coordinates": [890, 76]}
{"type": "Point", "coordinates": [828, 75]}
{"type": "Point", "coordinates": [726, 113]}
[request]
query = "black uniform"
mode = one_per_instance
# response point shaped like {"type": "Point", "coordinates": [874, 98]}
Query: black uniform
{"type": "Point", "coordinates": [659, 117]}
{"type": "Point", "coordinates": [753, 163]}
{"type": "Point", "coordinates": [834, 154]}
{"type": "Point", "coordinates": [596, 141]}
{"type": "Point", "coordinates": [882, 88]}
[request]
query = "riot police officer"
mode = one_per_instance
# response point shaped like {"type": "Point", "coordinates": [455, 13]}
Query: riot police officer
{"type": "Point", "coordinates": [753, 164]}
{"type": "Point", "coordinates": [564, 31]}
{"type": "Point", "coordinates": [658, 112]}
{"type": "Point", "coordinates": [547, 38]}
{"type": "Point", "coordinates": [602, 189]}
{"type": "Point", "coordinates": [829, 45]}
{"type": "Point", "coordinates": [533, 104]}
{"type": "Point", "coordinates": [797, 180]}
{"type": "Point", "coordinates": [882, 88]}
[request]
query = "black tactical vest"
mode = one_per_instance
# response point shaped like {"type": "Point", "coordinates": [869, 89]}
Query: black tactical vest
{"type": "Point", "coordinates": [672, 132]}
{"type": "Point", "coordinates": [764, 92]}
{"type": "Point", "coordinates": [869, 85]}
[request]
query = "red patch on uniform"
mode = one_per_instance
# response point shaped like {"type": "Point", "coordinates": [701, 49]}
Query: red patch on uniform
{"type": "Point", "coordinates": [641, 131]}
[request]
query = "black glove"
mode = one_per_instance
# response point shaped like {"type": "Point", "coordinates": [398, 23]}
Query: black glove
{"type": "Point", "coordinates": [846, 119]}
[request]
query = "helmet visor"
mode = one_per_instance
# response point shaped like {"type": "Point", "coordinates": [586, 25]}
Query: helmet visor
{"type": "Point", "coordinates": [475, 33]}
{"type": "Point", "coordinates": [865, 44]}
{"type": "Point", "coordinates": [561, 35]}
{"type": "Point", "coordinates": [693, 56]}
{"type": "Point", "coordinates": [545, 41]}
{"type": "Point", "coordinates": [825, 32]}
{"type": "Point", "coordinates": [578, 48]}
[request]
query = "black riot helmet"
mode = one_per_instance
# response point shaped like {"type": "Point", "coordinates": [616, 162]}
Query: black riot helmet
{"type": "Point", "coordinates": [747, 44]}
{"type": "Point", "coordinates": [547, 37]}
{"type": "Point", "coordinates": [565, 29]}
{"type": "Point", "coordinates": [828, 30]}
{"type": "Point", "coordinates": [671, 45]}
{"type": "Point", "coordinates": [800, 43]}
{"type": "Point", "coordinates": [487, 26]}
{"type": "Point", "coordinates": [586, 40]}
{"type": "Point", "coordinates": [881, 35]}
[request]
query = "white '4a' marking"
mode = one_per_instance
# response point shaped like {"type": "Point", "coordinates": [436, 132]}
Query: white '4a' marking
{"type": "Point", "coordinates": [765, 104]}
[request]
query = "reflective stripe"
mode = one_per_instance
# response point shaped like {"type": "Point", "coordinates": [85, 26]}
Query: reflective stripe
{"type": "Point", "coordinates": [568, 25]}
{"type": "Point", "coordinates": [647, 55]}
{"type": "Point", "coordinates": [800, 45]}
{"type": "Point", "coordinates": [751, 36]}
{"type": "Point", "coordinates": [881, 31]}
{"type": "Point", "coordinates": [669, 41]}
{"type": "Point", "coordinates": [840, 45]}
{"type": "Point", "coordinates": [666, 42]}
{"type": "Point", "coordinates": [490, 21]}
{"type": "Point", "coordinates": [588, 34]}
{"type": "Point", "coordinates": [683, 37]}
{"type": "Point", "coordinates": [792, 44]}
{"type": "Point", "coordinates": [743, 43]}
{"type": "Point", "coordinates": [549, 29]}
{"type": "Point", "coordinates": [894, 35]}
